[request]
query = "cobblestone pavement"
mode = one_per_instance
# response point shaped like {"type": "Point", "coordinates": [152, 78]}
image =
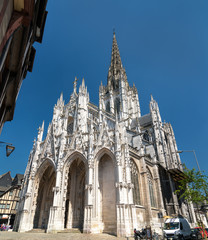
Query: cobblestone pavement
{"type": "Point", "coordinates": [59, 236]}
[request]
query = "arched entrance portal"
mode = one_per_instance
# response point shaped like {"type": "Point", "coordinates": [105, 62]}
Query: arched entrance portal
{"type": "Point", "coordinates": [75, 198]}
{"type": "Point", "coordinates": [44, 198]}
{"type": "Point", "coordinates": [108, 194]}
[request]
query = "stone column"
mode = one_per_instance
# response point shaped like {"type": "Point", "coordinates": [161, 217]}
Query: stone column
{"type": "Point", "coordinates": [126, 212]}
{"type": "Point", "coordinates": [56, 217]}
{"type": "Point", "coordinates": [111, 102]}
{"type": "Point", "coordinates": [119, 177]}
{"type": "Point", "coordinates": [24, 213]}
{"type": "Point", "coordinates": [120, 197]}
{"type": "Point", "coordinates": [87, 228]}
{"type": "Point", "coordinates": [159, 191]}
{"type": "Point", "coordinates": [146, 194]}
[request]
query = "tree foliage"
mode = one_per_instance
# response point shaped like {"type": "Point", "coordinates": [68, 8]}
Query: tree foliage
{"type": "Point", "coordinates": [194, 186]}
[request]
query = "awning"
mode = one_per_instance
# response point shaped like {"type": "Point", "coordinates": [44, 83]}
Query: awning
{"type": "Point", "coordinates": [177, 174]}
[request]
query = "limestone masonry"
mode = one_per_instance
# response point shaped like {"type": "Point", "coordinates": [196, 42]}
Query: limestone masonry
{"type": "Point", "coordinates": [102, 168]}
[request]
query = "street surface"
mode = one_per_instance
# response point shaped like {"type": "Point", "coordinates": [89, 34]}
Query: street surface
{"type": "Point", "coordinates": [59, 236]}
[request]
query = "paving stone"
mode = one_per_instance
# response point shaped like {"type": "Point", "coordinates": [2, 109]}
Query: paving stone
{"type": "Point", "coordinates": [58, 236]}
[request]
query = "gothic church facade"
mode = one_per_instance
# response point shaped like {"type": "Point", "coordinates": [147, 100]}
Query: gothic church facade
{"type": "Point", "coordinates": [102, 168]}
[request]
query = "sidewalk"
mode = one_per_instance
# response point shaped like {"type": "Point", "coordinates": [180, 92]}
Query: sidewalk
{"type": "Point", "coordinates": [59, 236]}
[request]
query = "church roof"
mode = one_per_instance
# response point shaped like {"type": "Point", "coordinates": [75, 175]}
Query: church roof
{"type": "Point", "coordinates": [145, 120]}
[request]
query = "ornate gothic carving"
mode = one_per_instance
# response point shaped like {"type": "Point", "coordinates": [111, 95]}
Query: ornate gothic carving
{"type": "Point", "coordinates": [96, 163]}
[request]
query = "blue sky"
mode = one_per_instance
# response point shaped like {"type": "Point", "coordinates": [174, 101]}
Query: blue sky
{"type": "Point", "coordinates": [163, 47]}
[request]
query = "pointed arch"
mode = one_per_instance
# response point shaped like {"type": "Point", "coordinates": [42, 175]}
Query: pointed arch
{"type": "Point", "coordinates": [149, 173]}
{"type": "Point", "coordinates": [45, 179]}
{"type": "Point", "coordinates": [74, 173]}
{"type": "Point", "coordinates": [71, 156]}
{"type": "Point", "coordinates": [103, 151]}
{"type": "Point", "coordinates": [106, 190]}
{"type": "Point", "coordinates": [46, 162]}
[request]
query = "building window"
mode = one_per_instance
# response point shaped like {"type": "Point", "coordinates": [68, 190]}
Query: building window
{"type": "Point", "coordinates": [152, 198]}
{"type": "Point", "coordinates": [146, 136]}
{"type": "Point", "coordinates": [135, 181]}
{"type": "Point", "coordinates": [2, 206]}
{"type": "Point", "coordinates": [7, 206]}
{"type": "Point", "coordinates": [108, 107]}
{"type": "Point", "coordinates": [70, 128]}
{"type": "Point", "coordinates": [70, 125]}
{"type": "Point", "coordinates": [151, 189]}
{"type": "Point", "coordinates": [11, 193]}
{"type": "Point", "coordinates": [117, 105]}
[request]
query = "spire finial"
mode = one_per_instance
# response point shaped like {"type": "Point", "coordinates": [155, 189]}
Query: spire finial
{"type": "Point", "coordinates": [152, 98]}
{"type": "Point", "coordinates": [75, 85]}
{"type": "Point", "coordinates": [43, 125]}
{"type": "Point", "coordinates": [61, 97]}
{"type": "Point", "coordinates": [114, 31]}
{"type": "Point", "coordinates": [83, 82]}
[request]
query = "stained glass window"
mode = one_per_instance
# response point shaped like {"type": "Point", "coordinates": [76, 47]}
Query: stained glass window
{"type": "Point", "coordinates": [135, 181]}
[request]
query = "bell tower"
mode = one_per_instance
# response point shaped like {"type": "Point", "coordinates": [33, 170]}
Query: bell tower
{"type": "Point", "coordinates": [118, 97]}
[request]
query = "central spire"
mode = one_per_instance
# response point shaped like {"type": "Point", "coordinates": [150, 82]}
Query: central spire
{"type": "Point", "coordinates": [116, 67]}
{"type": "Point", "coordinates": [116, 63]}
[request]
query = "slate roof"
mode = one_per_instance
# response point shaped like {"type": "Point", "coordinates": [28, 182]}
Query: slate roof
{"type": "Point", "coordinates": [7, 183]}
{"type": "Point", "coordinates": [145, 120]}
{"type": "Point", "coordinates": [18, 179]}
{"type": "Point", "coordinates": [3, 189]}
{"type": "Point", "coordinates": [6, 179]}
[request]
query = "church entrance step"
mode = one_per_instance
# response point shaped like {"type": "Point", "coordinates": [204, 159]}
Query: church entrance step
{"type": "Point", "coordinates": [72, 230]}
{"type": "Point", "coordinates": [37, 230]}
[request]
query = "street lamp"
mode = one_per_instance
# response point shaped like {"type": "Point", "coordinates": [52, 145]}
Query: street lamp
{"type": "Point", "coordinates": [9, 148]}
{"type": "Point", "coordinates": [181, 151]}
